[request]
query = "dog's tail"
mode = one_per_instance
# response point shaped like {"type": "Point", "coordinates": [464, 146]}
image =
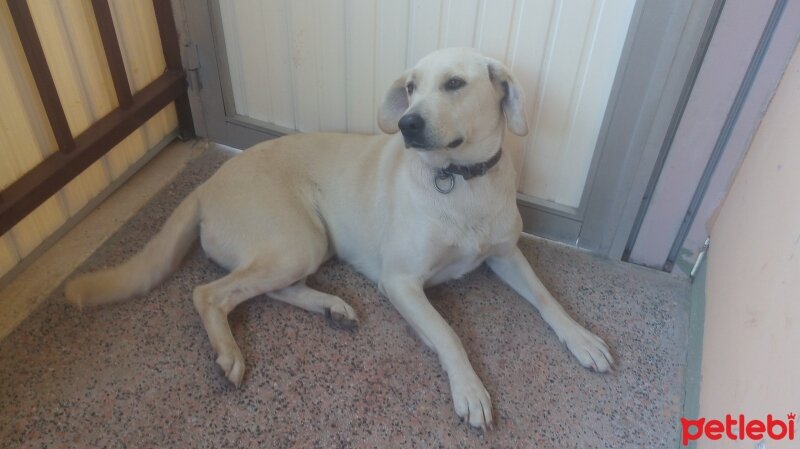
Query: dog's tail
{"type": "Point", "coordinates": [146, 269]}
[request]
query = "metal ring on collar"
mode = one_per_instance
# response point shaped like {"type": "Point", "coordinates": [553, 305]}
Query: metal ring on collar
{"type": "Point", "coordinates": [441, 176]}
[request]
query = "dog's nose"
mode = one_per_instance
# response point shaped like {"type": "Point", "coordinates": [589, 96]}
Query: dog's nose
{"type": "Point", "coordinates": [411, 124]}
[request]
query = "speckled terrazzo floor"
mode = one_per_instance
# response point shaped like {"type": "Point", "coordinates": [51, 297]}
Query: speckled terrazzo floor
{"type": "Point", "coordinates": [142, 374]}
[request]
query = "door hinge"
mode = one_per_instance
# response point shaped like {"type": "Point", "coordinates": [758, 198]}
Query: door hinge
{"type": "Point", "coordinates": [700, 257]}
{"type": "Point", "coordinates": [192, 62]}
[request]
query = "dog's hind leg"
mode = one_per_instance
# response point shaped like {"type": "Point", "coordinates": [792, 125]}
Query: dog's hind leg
{"type": "Point", "coordinates": [215, 300]}
{"type": "Point", "coordinates": [302, 296]}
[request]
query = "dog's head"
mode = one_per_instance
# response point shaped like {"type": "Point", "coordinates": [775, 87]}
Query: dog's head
{"type": "Point", "coordinates": [454, 100]}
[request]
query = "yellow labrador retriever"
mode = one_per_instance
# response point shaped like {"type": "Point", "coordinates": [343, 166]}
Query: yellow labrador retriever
{"type": "Point", "coordinates": [408, 210]}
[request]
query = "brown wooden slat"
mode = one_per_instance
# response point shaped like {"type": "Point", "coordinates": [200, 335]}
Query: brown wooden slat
{"type": "Point", "coordinates": [168, 33]}
{"type": "Point", "coordinates": [32, 46]}
{"type": "Point", "coordinates": [116, 65]}
{"type": "Point", "coordinates": [172, 56]}
{"type": "Point", "coordinates": [47, 178]}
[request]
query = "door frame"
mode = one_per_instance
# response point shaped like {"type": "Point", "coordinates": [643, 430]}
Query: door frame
{"type": "Point", "coordinates": [681, 200]}
{"type": "Point", "coordinates": [658, 69]}
{"type": "Point", "coordinates": [655, 67]}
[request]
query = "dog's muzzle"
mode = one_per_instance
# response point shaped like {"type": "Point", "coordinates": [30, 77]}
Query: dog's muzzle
{"type": "Point", "coordinates": [413, 128]}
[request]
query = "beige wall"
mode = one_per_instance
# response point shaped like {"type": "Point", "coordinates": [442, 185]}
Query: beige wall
{"type": "Point", "coordinates": [751, 356]}
{"type": "Point", "coordinates": [74, 52]}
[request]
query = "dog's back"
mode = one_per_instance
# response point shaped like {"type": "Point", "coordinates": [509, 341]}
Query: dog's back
{"type": "Point", "coordinates": [258, 187]}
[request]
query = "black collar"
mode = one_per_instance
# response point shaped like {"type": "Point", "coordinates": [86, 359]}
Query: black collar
{"type": "Point", "coordinates": [473, 170]}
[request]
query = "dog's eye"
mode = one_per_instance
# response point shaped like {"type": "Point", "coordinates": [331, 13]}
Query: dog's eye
{"type": "Point", "coordinates": [410, 87]}
{"type": "Point", "coordinates": [454, 84]}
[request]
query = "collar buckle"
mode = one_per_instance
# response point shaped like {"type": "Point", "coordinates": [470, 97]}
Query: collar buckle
{"type": "Point", "coordinates": [465, 171]}
{"type": "Point", "coordinates": [443, 176]}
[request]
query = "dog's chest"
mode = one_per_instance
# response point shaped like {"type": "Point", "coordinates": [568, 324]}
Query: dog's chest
{"type": "Point", "coordinates": [465, 247]}
{"type": "Point", "coordinates": [456, 262]}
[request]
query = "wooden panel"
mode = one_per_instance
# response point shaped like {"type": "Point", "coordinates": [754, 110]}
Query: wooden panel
{"type": "Point", "coordinates": [22, 117]}
{"type": "Point", "coordinates": [74, 52]}
{"type": "Point", "coordinates": [343, 54]}
{"type": "Point", "coordinates": [140, 46]}
{"type": "Point", "coordinates": [37, 62]}
{"type": "Point", "coordinates": [144, 60]}
{"type": "Point", "coordinates": [70, 37]}
{"type": "Point", "coordinates": [26, 192]}
{"type": "Point", "coordinates": [26, 139]}
{"type": "Point", "coordinates": [116, 65]}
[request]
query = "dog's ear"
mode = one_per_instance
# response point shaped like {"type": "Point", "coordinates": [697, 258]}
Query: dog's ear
{"type": "Point", "coordinates": [394, 105]}
{"type": "Point", "coordinates": [513, 102]}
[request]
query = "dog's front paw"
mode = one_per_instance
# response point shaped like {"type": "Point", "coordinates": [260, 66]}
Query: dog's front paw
{"type": "Point", "coordinates": [232, 364]}
{"type": "Point", "coordinates": [590, 350]}
{"type": "Point", "coordinates": [471, 400]}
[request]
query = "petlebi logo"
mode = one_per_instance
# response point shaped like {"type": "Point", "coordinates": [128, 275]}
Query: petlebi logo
{"type": "Point", "coordinates": [739, 428]}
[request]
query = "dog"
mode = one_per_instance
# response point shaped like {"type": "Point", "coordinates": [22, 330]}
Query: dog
{"type": "Point", "coordinates": [408, 210]}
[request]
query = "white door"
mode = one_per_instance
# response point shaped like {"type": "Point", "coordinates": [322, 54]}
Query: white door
{"type": "Point", "coordinates": [324, 65]}
{"type": "Point", "coordinates": [267, 67]}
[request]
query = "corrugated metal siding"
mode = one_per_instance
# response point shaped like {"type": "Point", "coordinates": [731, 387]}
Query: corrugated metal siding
{"type": "Point", "coordinates": [75, 55]}
{"type": "Point", "coordinates": [324, 65]}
